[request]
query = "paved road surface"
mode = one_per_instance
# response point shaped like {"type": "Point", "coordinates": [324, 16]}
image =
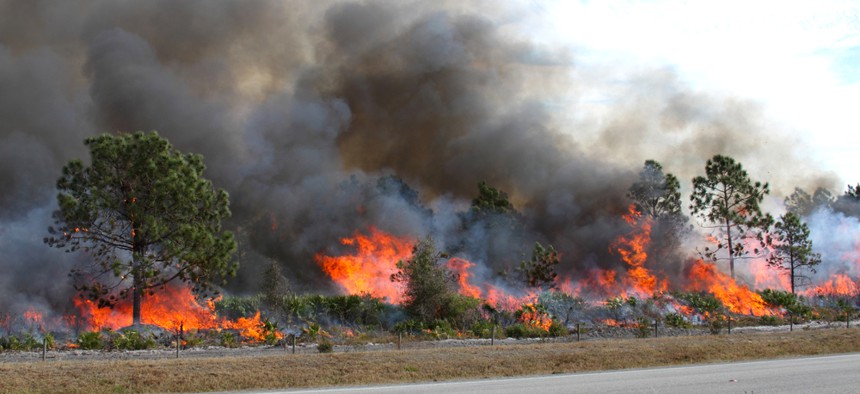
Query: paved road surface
{"type": "Point", "coordinates": [829, 374]}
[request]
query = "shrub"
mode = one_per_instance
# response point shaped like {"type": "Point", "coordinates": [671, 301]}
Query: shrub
{"type": "Point", "coordinates": [325, 347]}
{"type": "Point", "coordinates": [90, 341]}
{"type": "Point", "coordinates": [461, 311]}
{"type": "Point", "coordinates": [557, 329]}
{"type": "Point", "coordinates": [771, 321]}
{"type": "Point", "coordinates": [643, 327]}
{"type": "Point", "coordinates": [517, 330]}
{"type": "Point", "coordinates": [133, 340]}
{"type": "Point", "coordinates": [484, 329]}
{"type": "Point", "coordinates": [228, 340]}
{"type": "Point", "coordinates": [676, 320]}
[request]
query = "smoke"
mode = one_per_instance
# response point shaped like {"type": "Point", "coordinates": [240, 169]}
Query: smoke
{"type": "Point", "coordinates": [321, 119]}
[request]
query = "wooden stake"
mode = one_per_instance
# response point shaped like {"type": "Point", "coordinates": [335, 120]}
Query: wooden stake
{"type": "Point", "coordinates": [294, 343]}
{"type": "Point", "coordinates": [656, 334]}
{"type": "Point", "coordinates": [44, 347]}
{"type": "Point", "coordinates": [399, 338]}
{"type": "Point", "coordinates": [577, 332]}
{"type": "Point", "coordinates": [493, 336]}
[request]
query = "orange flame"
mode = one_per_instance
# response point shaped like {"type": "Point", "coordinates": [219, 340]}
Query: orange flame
{"type": "Point", "coordinates": [633, 250]}
{"type": "Point", "coordinates": [738, 298]}
{"type": "Point", "coordinates": [461, 267]}
{"type": "Point", "coordinates": [839, 285]}
{"type": "Point", "coordinates": [534, 318]}
{"type": "Point", "coordinates": [169, 308]}
{"type": "Point", "coordinates": [369, 270]}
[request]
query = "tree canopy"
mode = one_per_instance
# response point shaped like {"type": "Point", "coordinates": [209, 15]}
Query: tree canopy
{"type": "Point", "coordinates": [492, 200]}
{"type": "Point", "coordinates": [791, 249]}
{"type": "Point", "coordinates": [803, 204]}
{"type": "Point", "coordinates": [540, 272]}
{"type": "Point", "coordinates": [656, 194]}
{"type": "Point", "coordinates": [727, 201]}
{"type": "Point", "coordinates": [145, 215]}
{"type": "Point", "coordinates": [427, 284]}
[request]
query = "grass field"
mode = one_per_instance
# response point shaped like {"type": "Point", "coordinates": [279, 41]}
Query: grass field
{"type": "Point", "coordinates": [391, 366]}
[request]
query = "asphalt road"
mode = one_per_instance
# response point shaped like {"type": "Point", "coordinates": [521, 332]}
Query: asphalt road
{"type": "Point", "coordinates": [828, 374]}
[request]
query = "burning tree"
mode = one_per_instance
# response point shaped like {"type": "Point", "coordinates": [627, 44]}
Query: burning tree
{"type": "Point", "coordinates": [657, 196]}
{"type": "Point", "coordinates": [146, 215]}
{"type": "Point", "coordinates": [792, 249]}
{"type": "Point", "coordinates": [426, 282]}
{"type": "Point", "coordinates": [727, 201]}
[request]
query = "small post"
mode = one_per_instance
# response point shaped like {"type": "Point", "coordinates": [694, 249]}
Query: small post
{"type": "Point", "coordinates": [399, 338]}
{"type": "Point", "coordinates": [493, 335]}
{"type": "Point", "coordinates": [577, 332]}
{"type": "Point", "coordinates": [177, 345]}
{"type": "Point", "coordinates": [790, 322]}
{"type": "Point", "coordinates": [294, 343]}
{"type": "Point", "coordinates": [730, 324]}
{"type": "Point", "coordinates": [44, 347]}
{"type": "Point", "coordinates": [847, 319]}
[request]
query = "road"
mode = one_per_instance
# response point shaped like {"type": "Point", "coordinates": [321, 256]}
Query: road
{"type": "Point", "coordinates": [828, 374]}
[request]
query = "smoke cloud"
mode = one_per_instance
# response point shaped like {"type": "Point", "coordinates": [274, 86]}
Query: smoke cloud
{"type": "Point", "coordinates": [321, 119]}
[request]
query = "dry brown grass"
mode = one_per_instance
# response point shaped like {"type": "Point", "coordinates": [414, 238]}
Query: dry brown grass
{"type": "Point", "coordinates": [288, 371]}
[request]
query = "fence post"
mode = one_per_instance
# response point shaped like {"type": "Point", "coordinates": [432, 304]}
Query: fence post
{"type": "Point", "coordinates": [44, 347]}
{"type": "Point", "coordinates": [730, 324]}
{"type": "Point", "coordinates": [577, 332]}
{"type": "Point", "coordinates": [399, 338]}
{"type": "Point", "coordinates": [493, 335]}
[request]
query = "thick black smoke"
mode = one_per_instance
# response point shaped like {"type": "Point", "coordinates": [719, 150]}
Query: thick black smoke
{"type": "Point", "coordinates": [324, 119]}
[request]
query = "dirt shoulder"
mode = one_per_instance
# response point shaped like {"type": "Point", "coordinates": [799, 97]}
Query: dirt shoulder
{"type": "Point", "coordinates": [273, 368]}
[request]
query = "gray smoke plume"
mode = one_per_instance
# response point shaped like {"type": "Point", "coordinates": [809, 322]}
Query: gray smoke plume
{"type": "Point", "coordinates": [326, 118]}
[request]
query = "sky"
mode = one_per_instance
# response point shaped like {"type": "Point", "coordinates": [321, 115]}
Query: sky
{"type": "Point", "coordinates": [798, 60]}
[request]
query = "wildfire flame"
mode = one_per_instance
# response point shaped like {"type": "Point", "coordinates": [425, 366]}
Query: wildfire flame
{"type": "Point", "coordinates": [738, 298]}
{"type": "Point", "coordinates": [170, 308]}
{"type": "Point", "coordinates": [633, 250]}
{"type": "Point", "coordinates": [369, 269]}
{"type": "Point", "coordinates": [839, 285]}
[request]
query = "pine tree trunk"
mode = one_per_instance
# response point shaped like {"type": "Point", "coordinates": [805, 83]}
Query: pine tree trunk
{"type": "Point", "coordinates": [731, 248]}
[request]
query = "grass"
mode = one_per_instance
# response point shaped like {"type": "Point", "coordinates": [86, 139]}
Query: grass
{"type": "Point", "coordinates": [359, 368]}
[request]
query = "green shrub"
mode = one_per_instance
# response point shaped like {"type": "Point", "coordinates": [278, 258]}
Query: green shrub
{"type": "Point", "coordinates": [557, 329]}
{"type": "Point", "coordinates": [484, 329]}
{"type": "Point", "coordinates": [677, 321]}
{"type": "Point", "coordinates": [771, 321]}
{"type": "Point", "coordinates": [133, 340]}
{"type": "Point", "coordinates": [521, 330]}
{"type": "Point", "coordinates": [461, 311]}
{"type": "Point", "coordinates": [517, 330]}
{"type": "Point", "coordinates": [643, 327]}
{"type": "Point", "coordinates": [410, 326]}
{"type": "Point", "coordinates": [90, 341]}
{"type": "Point", "coordinates": [228, 340]}
{"type": "Point", "coordinates": [325, 347]}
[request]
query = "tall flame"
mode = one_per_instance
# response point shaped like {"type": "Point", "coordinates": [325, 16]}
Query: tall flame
{"type": "Point", "coordinates": [171, 308]}
{"type": "Point", "coordinates": [633, 250]}
{"type": "Point", "coordinates": [839, 285]}
{"type": "Point", "coordinates": [738, 298]}
{"type": "Point", "coordinates": [461, 267]}
{"type": "Point", "coordinates": [369, 269]}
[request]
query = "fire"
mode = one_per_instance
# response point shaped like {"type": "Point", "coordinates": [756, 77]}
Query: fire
{"type": "Point", "coordinates": [633, 250]}
{"type": "Point", "coordinates": [369, 269]}
{"type": "Point", "coordinates": [461, 267]}
{"type": "Point", "coordinates": [838, 285]}
{"type": "Point", "coordinates": [738, 298]}
{"type": "Point", "coordinates": [169, 308]}
{"type": "Point", "coordinates": [532, 317]}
